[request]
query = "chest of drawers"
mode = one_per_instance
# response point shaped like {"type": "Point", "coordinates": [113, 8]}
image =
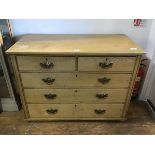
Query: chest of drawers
{"type": "Point", "coordinates": [75, 77]}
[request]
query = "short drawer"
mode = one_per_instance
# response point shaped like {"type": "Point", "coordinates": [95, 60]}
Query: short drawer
{"type": "Point", "coordinates": [80, 96]}
{"type": "Point", "coordinates": [75, 110]}
{"type": "Point", "coordinates": [46, 64]}
{"type": "Point", "coordinates": [106, 63]}
{"type": "Point", "coordinates": [75, 80]}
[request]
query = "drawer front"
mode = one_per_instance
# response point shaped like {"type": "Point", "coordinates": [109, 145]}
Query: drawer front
{"type": "Point", "coordinates": [58, 96]}
{"type": "Point", "coordinates": [73, 80]}
{"type": "Point", "coordinates": [50, 96]}
{"type": "Point", "coordinates": [106, 63]}
{"type": "Point", "coordinates": [75, 110]}
{"type": "Point", "coordinates": [47, 64]}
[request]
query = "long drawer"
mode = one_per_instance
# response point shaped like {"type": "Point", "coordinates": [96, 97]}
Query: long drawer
{"type": "Point", "coordinates": [83, 96]}
{"type": "Point", "coordinates": [75, 110]}
{"type": "Point", "coordinates": [106, 63]}
{"type": "Point", "coordinates": [75, 80]}
{"type": "Point", "coordinates": [46, 64]}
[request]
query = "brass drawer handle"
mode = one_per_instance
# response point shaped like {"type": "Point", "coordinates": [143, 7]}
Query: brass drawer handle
{"type": "Point", "coordinates": [46, 64]}
{"type": "Point", "coordinates": [104, 80]}
{"type": "Point", "coordinates": [101, 96]}
{"type": "Point", "coordinates": [99, 111]}
{"type": "Point", "coordinates": [107, 64]}
{"type": "Point", "coordinates": [50, 96]}
{"type": "Point", "coordinates": [51, 111]}
{"type": "Point", "coordinates": [48, 80]}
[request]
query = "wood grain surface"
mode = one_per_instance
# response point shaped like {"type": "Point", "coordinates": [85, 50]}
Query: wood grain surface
{"type": "Point", "coordinates": [75, 80]}
{"type": "Point", "coordinates": [76, 111]}
{"type": "Point", "coordinates": [139, 122]}
{"type": "Point", "coordinates": [76, 44]}
{"type": "Point", "coordinates": [71, 96]}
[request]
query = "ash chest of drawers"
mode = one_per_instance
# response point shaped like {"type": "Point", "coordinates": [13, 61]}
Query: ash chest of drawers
{"type": "Point", "coordinates": [75, 77]}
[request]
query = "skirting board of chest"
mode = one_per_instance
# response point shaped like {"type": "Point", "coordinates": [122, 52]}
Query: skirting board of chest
{"type": "Point", "coordinates": [75, 77]}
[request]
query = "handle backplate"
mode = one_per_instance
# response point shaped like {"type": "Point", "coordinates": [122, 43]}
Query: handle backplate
{"type": "Point", "coordinates": [46, 64]}
{"type": "Point", "coordinates": [101, 96]}
{"type": "Point", "coordinates": [99, 111]}
{"type": "Point", "coordinates": [104, 80]}
{"type": "Point", "coordinates": [51, 111]}
{"type": "Point", "coordinates": [105, 65]}
{"type": "Point", "coordinates": [48, 80]}
{"type": "Point", "coordinates": [50, 96]}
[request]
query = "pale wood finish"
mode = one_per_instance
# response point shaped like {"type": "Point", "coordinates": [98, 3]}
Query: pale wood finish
{"type": "Point", "coordinates": [1, 39]}
{"type": "Point", "coordinates": [46, 119]}
{"type": "Point", "coordinates": [132, 85]}
{"type": "Point", "coordinates": [76, 72]}
{"type": "Point", "coordinates": [76, 44]}
{"type": "Point", "coordinates": [19, 85]}
{"type": "Point", "coordinates": [75, 110]}
{"type": "Point", "coordinates": [32, 63]}
{"type": "Point", "coordinates": [139, 122]}
{"type": "Point", "coordinates": [118, 63]}
{"type": "Point", "coordinates": [75, 80]}
{"type": "Point", "coordinates": [71, 96]}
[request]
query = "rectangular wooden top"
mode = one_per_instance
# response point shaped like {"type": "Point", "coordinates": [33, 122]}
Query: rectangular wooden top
{"type": "Point", "coordinates": [76, 45]}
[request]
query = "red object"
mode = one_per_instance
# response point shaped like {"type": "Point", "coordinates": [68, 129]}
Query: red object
{"type": "Point", "coordinates": [137, 22]}
{"type": "Point", "coordinates": [138, 80]}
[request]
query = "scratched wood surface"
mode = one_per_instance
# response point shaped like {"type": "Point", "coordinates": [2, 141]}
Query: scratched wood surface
{"type": "Point", "coordinates": [76, 44]}
{"type": "Point", "coordinates": [139, 122]}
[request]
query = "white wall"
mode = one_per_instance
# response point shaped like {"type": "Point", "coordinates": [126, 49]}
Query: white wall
{"type": "Point", "coordinates": [148, 90]}
{"type": "Point", "coordinates": [150, 48]}
{"type": "Point", "coordinates": [93, 26]}
{"type": "Point", "coordinates": [144, 36]}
